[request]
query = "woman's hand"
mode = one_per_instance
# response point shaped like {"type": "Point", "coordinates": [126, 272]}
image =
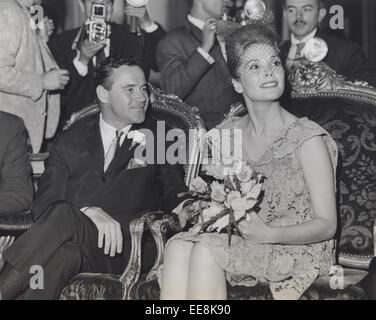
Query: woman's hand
{"type": "Point", "coordinates": [256, 230]}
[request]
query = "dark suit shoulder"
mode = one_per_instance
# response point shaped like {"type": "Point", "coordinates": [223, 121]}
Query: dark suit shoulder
{"type": "Point", "coordinates": [79, 131]}
{"type": "Point", "coordinates": [337, 42]}
{"type": "Point", "coordinates": [65, 36]}
{"type": "Point", "coordinates": [10, 123]}
{"type": "Point", "coordinates": [177, 35]}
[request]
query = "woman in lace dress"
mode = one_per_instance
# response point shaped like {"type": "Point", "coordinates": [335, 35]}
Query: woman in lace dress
{"type": "Point", "coordinates": [289, 243]}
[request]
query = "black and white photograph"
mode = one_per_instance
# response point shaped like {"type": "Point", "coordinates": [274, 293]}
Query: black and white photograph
{"type": "Point", "coordinates": [207, 151]}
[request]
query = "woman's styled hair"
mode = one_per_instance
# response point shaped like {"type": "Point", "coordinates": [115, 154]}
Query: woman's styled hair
{"type": "Point", "coordinates": [241, 39]}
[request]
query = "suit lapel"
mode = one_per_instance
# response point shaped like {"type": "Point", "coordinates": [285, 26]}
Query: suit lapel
{"type": "Point", "coordinates": [126, 152]}
{"type": "Point", "coordinates": [94, 145]}
{"type": "Point", "coordinates": [194, 31]}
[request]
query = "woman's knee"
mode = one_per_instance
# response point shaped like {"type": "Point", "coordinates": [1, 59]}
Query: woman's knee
{"type": "Point", "coordinates": [178, 248]}
{"type": "Point", "coordinates": [201, 255]}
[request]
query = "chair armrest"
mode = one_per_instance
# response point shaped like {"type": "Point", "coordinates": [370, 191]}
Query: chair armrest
{"type": "Point", "coordinates": [356, 261]}
{"type": "Point", "coordinates": [169, 224]}
{"type": "Point", "coordinates": [16, 222]}
{"type": "Point", "coordinates": [133, 270]}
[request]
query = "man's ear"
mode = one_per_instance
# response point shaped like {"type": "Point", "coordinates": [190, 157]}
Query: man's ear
{"type": "Point", "coordinates": [102, 94]}
{"type": "Point", "coordinates": [322, 14]}
{"type": "Point", "coordinates": [238, 87]}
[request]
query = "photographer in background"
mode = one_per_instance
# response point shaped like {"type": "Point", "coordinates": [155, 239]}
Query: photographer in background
{"type": "Point", "coordinates": [81, 50]}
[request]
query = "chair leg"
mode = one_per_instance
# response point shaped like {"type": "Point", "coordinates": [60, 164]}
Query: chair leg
{"type": "Point", "coordinates": [133, 270]}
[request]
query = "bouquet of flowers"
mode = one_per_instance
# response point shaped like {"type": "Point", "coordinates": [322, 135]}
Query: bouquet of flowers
{"type": "Point", "coordinates": [226, 200]}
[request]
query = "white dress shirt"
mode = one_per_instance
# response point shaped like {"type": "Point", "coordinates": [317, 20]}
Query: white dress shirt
{"type": "Point", "coordinates": [200, 24]}
{"type": "Point", "coordinates": [108, 134]}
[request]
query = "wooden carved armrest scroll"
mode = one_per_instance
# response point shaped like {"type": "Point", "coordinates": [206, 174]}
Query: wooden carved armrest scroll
{"type": "Point", "coordinates": [319, 78]}
{"type": "Point", "coordinates": [169, 224]}
{"type": "Point", "coordinates": [133, 270]}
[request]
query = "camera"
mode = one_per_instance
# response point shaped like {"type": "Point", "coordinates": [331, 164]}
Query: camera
{"type": "Point", "coordinates": [98, 29]}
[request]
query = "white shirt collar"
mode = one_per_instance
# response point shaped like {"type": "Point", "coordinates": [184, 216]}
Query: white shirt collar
{"type": "Point", "coordinates": [108, 133]}
{"type": "Point", "coordinates": [295, 41]}
{"type": "Point", "coordinates": [109, 130]}
{"type": "Point", "coordinates": [196, 22]}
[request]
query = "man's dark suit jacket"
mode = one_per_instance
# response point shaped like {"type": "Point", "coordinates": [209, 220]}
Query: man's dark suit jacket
{"type": "Point", "coordinates": [16, 190]}
{"type": "Point", "coordinates": [80, 91]}
{"type": "Point", "coordinates": [187, 74]}
{"type": "Point", "coordinates": [74, 174]}
{"type": "Point", "coordinates": [345, 57]}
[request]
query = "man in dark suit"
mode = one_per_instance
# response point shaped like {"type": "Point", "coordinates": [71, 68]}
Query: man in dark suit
{"type": "Point", "coordinates": [74, 52]}
{"type": "Point", "coordinates": [345, 57]}
{"type": "Point", "coordinates": [93, 186]}
{"type": "Point", "coordinates": [191, 63]}
{"type": "Point", "coordinates": [16, 190]}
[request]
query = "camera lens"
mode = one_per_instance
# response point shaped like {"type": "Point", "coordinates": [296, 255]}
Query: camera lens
{"type": "Point", "coordinates": [98, 11]}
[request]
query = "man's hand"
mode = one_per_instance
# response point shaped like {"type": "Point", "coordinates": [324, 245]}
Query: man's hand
{"type": "Point", "coordinates": [88, 50]}
{"type": "Point", "coordinates": [208, 34]}
{"type": "Point", "coordinates": [55, 79]}
{"type": "Point", "coordinates": [141, 13]}
{"type": "Point", "coordinates": [109, 231]}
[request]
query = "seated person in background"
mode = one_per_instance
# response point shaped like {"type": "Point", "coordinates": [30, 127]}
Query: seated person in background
{"type": "Point", "coordinates": [290, 241]}
{"type": "Point", "coordinates": [345, 57]}
{"type": "Point", "coordinates": [91, 189]}
{"type": "Point", "coordinates": [16, 190]}
{"type": "Point", "coordinates": [191, 63]}
{"type": "Point", "coordinates": [73, 51]}
{"type": "Point", "coordinates": [28, 73]}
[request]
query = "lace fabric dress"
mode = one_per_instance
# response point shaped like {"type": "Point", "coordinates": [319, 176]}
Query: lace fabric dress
{"type": "Point", "coordinates": [289, 269]}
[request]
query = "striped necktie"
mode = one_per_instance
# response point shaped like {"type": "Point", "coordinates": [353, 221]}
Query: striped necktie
{"type": "Point", "coordinates": [113, 150]}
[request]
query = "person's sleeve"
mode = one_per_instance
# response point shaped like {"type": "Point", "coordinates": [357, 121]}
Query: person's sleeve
{"type": "Point", "coordinates": [16, 190]}
{"type": "Point", "coordinates": [54, 182]}
{"type": "Point", "coordinates": [171, 178]}
{"type": "Point", "coordinates": [80, 67]}
{"type": "Point", "coordinates": [151, 40]}
{"type": "Point", "coordinates": [356, 65]}
{"type": "Point", "coordinates": [14, 80]}
{"type": "Point", "coordinates": [180, 75]}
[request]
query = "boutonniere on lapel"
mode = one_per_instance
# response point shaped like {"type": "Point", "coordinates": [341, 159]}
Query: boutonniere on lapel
{"type": "Point", "coordinates": [137, 137]}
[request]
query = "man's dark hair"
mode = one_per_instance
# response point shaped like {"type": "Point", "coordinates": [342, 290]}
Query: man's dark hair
{"type": "Point", "coordinates": [321, 3]}
{"type": "Point", "coordinates": [106, 68]}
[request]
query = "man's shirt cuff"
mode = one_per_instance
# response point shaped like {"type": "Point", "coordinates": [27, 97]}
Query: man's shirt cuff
{"type": "Point", "coordinates": [206, 55]}
{"type": "Point", "coordinates": [80, 67]}
{"type": "Point", "coordinates": [151, 28]}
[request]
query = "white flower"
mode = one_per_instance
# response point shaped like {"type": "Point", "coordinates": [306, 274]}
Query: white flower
{"type": "Point", "coordinates": [247, 186]}
{"type": "Point", "coordinates": [245, 173]}
{"type": "Point", "coordinates": [137, 137]}
{"type": "Point", "coordinates": [218, 192]}
{"type": "Point", "coordinates": [255, 191]}
{"type": "Point", "coordinates": [236, 202]}
{"type": "Point", "coordinates": [315, 50]}
{"type": "Point", "coordinates": [199, 185]}
{"type": "Point", "coordinates": [212, 211]}
{"type": "Point", "coordinates": [223, 222]}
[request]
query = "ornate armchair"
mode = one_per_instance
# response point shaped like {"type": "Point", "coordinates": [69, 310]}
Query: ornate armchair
{"type": "Point", "coordinates": [348, 112]}
{"type": "Point", "coordinates": [87, 286]}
